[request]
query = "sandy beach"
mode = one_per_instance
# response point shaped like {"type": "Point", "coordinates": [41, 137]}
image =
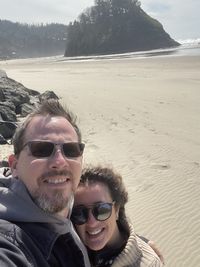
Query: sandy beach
{"type": "Point", "coordinates": [142, 116]}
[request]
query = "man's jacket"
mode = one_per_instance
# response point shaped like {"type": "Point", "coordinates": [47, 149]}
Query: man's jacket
{"type": "Point", "coordinates": [31, 237]}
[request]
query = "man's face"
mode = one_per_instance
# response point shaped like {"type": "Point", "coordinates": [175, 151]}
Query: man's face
{"type": "Point", "coordinates": [53, 180]}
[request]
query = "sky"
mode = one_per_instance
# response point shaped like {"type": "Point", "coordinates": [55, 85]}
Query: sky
{"type": "Point", "coordinates": [180, 18]}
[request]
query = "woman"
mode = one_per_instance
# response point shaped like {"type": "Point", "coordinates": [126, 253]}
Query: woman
{"type": "Point", "coordinates": [100, 220]}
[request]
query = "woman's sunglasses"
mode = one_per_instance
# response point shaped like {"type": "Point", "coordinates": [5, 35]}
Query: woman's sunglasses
{"type": "Point", "coordinates": [100, 211]}
{"type": "Point", "coordinates": [44, 149]}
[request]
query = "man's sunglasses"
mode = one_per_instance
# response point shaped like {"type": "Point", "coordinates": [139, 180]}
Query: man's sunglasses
{"type": "Point", "coordinates": [44, 149]}
{"type": "Point", "coordinates": [100, 211]}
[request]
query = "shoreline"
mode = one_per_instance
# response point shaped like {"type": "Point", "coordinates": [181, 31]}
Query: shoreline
{"type": "Point", "coordinates": [189, 48]}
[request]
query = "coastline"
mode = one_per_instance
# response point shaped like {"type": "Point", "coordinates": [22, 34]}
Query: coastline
{"type": "Point", "coordinates": [141, 115]}
{"type": "Point", "coordinates": [185, 48]}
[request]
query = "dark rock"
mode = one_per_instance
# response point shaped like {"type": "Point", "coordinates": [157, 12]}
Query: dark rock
{"type": "Point", "coordinates": [7, 129]}
{"type": "Point", "coordinates": [8, 104]}
{"type": "Point", "coordinates": [2, 96]}
{"type": "Point", "coordinates": [32, 92]}
{"type": "Point", "coordinates": [13, 91]}
{"type": "Point", "coordinates": [25, 109]}
{"type": "Point", "coordinates": [7, 114]}
{"type": "Point", "coordinates": [34, 100]}
{"type": "Point", "coordinates": [3, 141]}
{"type": "Point", "coordinates": [4, 163]}
{"type": "Point", "coordinates": [16, 99]}
{"type": "Point", "coordinates": [16, 92]}
{"type": "Point", "coordinates": [17, 96]}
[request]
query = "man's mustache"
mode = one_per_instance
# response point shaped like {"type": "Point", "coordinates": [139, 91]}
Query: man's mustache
{"type": "Point", "coordinates": [56, 173]}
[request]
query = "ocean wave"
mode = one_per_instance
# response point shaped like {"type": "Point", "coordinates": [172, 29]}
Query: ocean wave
{"type": "Point", "coordinates": [190, 42]}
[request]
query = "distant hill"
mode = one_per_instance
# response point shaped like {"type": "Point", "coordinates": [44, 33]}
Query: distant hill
{"type": "Point", "coordinates": [22, 40]}
{"type": "Point", "coordinates": [115, 26]}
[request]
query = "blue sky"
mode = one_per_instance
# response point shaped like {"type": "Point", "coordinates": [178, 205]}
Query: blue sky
{"type": "Point", "coordinates": [181, 19]}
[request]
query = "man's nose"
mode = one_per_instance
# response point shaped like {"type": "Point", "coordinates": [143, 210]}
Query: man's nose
{"type": "Point", "coordinates": [58, 159]}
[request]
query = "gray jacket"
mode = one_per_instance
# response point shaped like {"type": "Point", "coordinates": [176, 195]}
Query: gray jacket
{"type": "Point", "coordinates": [31, 237]}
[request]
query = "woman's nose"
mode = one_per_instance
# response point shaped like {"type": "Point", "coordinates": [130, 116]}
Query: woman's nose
{"type": "Point", "coordinates": [91, 218]}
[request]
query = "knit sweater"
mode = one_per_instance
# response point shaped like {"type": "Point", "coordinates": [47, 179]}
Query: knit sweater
{"type": "Point", "coordinates": [136, 253]}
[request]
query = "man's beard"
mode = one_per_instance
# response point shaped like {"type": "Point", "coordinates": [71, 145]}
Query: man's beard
{"type": "Point", "coordinates": [55, 202]}
{"type": "Point", "coordinates": [52, 204]}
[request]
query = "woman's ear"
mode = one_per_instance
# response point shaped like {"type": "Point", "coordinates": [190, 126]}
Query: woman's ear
{"type": "Point", "coordinates": [117, 212]}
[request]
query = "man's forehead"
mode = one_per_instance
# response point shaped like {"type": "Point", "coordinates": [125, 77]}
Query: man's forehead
{"type": "Point", "coordinates": [42, 124]}
{"type": "Point", "coordinates": [45, 120]}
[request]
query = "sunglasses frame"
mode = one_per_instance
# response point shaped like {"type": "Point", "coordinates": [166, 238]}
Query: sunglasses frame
{"type": "Point", "coordinates": [92, 208]}
{"type": "Point", "coordinates": [61, 145]}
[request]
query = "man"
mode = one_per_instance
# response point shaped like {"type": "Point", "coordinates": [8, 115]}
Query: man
{"type": "Point", "coordinates": [35, 205]}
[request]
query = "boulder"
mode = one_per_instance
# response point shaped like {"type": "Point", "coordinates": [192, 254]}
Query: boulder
{"type": "Point", "coordinates": [25, 109]}
{"type": "Point", "coordinates": [4, 163]}
{"type": "Point", "coordinates": [8, 104]}
{"type": "Point", "coordinates": [16, 99]}
{"type": "Point", "coordinates": [7, 129]}
{"type": "Point", "coordinates": [3, 141]}
{"type": "Point", "coordinates": [2, 96]}
{"type": "Point", "coordinates": [7, 114]}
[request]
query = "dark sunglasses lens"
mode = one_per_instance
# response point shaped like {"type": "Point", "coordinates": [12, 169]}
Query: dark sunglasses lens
{"type": "Point", "coordinates": [41, 149]}
{"type": "Point", "coordinates": [73, 150]}
{"type": "Point", "coordinates": [79, 215]}
{"type": "Point", "coordinates": [102, 211]}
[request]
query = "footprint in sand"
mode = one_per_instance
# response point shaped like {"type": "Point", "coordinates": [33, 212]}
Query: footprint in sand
{"type": "Point", "coordinates": [131, 131]}
{"type": "Point", "coordinates": [161, 166]}
{"type": "Point", "coordinates": [144, 187]}
{"type": "Point", "coordinates": [114, 123]}
{"type": "Point", "coordinates": [196, 164]}
{"type": "Point", "coordinates": [153, 130]}
{"type": "Point", "coordinates": [92, 147]}
{"type": "Point", "coordinates": [91, 133]}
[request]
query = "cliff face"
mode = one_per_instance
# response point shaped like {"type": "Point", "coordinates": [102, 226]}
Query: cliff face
{"type": "Point", "coordinates": [115, 26]}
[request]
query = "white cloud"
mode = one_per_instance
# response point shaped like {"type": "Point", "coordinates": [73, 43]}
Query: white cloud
{"type": "Point", "coordinates": [180, 18]}
{"type": "Point", "coordinates": [36, 11]}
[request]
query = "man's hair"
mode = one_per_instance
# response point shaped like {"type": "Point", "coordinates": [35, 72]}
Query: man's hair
{"type": "Point", "coordinates": [113, 181]}
{"type": "Point", "coordinates": [50, 107]}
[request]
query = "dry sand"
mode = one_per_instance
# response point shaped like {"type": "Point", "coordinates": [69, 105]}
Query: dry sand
{"type": "Point", "coordinates": [142, 116]}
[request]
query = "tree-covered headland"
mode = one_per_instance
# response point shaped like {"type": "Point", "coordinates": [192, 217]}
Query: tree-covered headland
{"type": "Point", "coordinates": [19, 40]}
{"type": "Point", "coordinates": [115, 26]}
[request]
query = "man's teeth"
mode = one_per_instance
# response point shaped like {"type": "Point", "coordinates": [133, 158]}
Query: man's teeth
{"type": "Point", "coordinates": [56, 181]}
{"type": "Point", "coordinates": [94, 232]}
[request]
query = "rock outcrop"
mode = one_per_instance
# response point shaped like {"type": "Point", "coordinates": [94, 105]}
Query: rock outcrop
{"type": "Point", "coordinates": [16, 100]}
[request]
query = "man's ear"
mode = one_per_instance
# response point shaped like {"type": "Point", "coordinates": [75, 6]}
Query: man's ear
{"type": "Point", "coordinates": [12, 160]}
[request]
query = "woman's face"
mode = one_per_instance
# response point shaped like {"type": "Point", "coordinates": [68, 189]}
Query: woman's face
{"type": "Point", "coordinates": [97, 234]}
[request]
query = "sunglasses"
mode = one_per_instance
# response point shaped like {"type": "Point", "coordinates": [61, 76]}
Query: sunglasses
{"type": "Point", "coordinates": [100, 211]}
{"type": "Point", "coordinates": [44, 149]}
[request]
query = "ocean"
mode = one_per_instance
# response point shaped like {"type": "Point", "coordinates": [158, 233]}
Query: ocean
{"type": "Point", "coordinates": [189, 47]}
